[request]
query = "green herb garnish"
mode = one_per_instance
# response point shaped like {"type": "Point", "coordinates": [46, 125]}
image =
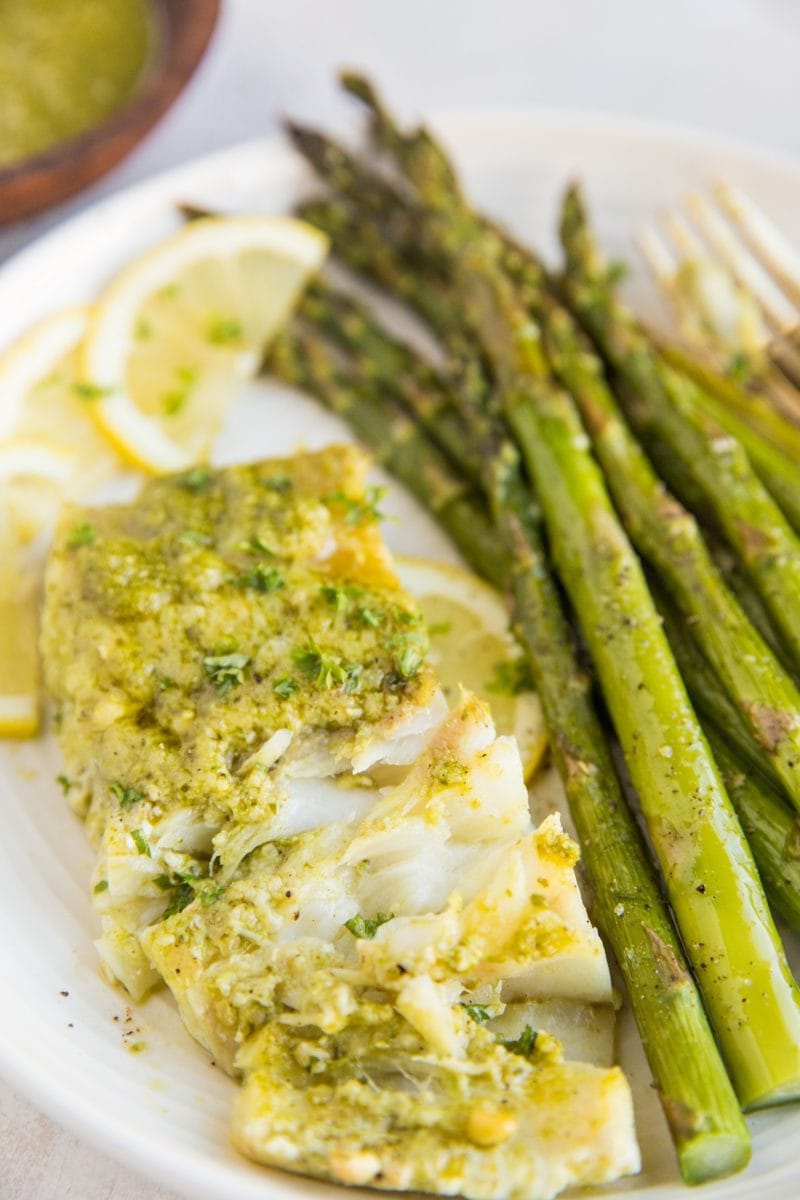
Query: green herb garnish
{"type": "Point", "coordinates": [221, 331]}
{"type": "Point", "coordinates": [285, 687]}
{"type": "Point", "coordinates": [100, 886]}
{"type": "Point", "coordinates": [262, 579]}
{"type": "Point", "coordinates": [371, 618]}
{"type": "Point", "coordinates": [184, 895]}
{"type": "Point", "coordinates": [524, 1044]}
{"type": "Point", "coordinates": [195, 537]}
{"type": "Point", "coordinates": [367, 927]}
{"type": "Point", "coordinates": [478, 1012]}
{"type": "Point", "coordinates": [140, 842]}
{"type": "Point", "coordinates": [226, 671]}
{"type": "Point", "coordinates": [278, 483]}
{"type": "Point", "coordinates": [127, 796]}
{"type": "Point", "coordinates": [336, 596]}
{"type": "Point", "coordinates": [196, 480]}
{"type": "Point", "coordinates": [65, 783]}
{"type": "Point", "coordinates": [257, 546]}
{"type": "Point", "coordinates": [90, 391]}
{"type": "Point", "coordinates": [82, 535]}
{"type": "Point", "coordinates": [327, 670]}
{"type": "Point", "coordinates": [409, 653]}
{"type": "Point", "coordinates": [359, 510]}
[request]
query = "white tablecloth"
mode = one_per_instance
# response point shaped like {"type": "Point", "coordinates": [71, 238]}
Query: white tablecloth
{"type": "Point", "coordinates": [724, 65]}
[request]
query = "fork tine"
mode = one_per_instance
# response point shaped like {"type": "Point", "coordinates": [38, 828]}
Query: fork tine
{"type": "Point", "coordinates": [723, 308]}
{"type": "Point", "coordinates": [763, 236]}
{"type": "Point", "coordinates": [658, 257]}
{"type": "Point", "coordinates": [779, 310]}
{"type": "Point", "coordinates": [684, 237]}
{"type": "Point", "coordinates": [665, 268]}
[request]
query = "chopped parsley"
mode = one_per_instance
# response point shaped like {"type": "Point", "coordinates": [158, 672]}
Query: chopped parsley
{"type": "Point", "coordinates": [371, 618]}
{"type": "Point", "coordinates": [409, 653]}
{"type": "Point", "coordinates": [65, 783]}
{"type": "Point", "coordinates": [140, 842]}
{"type": "Point", "coordinates": [183, 896]}
{"type": "Point", "coordinates": [195, 537]}
{"type": "Point", "coordinates": [127, 796]}
{"type": "Point", "coordinates": [100, 886]}
{"type": "Point", "coordinates": [327, 670]}
{"type": "Point", "coordinates": [222, 331]}
{"type": "Point", "coordinates": [90, 391]}
{"type": "Point", "coordinates": [211, 895]}
{"type": "Point", "coordinates": [261, 579]}
{"type": "Point", "coordinates": [478, 1012]}
{"type": "Point", "coordinates": [278, 483]}
{"type": "Point", "coordinates": [175, 401]}
{"type": "Point", "coordinates": [226, 671]}
{"type": "Point", "coordinates": [511, 678]}
{"type": "Point", "coordinates": [257, 546]}
{"type": "Point", "coordinates": [337, 596]}
{"type": "Point", "coordinates": [367, 927]}
{"type": "Point", "coordinates": [285, 687]}
{"type": "Point", "coordinates": [524, 1044]}
{"type": "Point", "coordinates": [196, 480]}
{"type": "Point", "coordinates": [440, 628]}
{"type": "Point", "coordinates": [359, 510]}
{"type": "Point", "coordinates": [81, 535]}
{"type": "Point", "coordinates": [166, 682]}
{"type": "Point", "coordinates": [183, 885]}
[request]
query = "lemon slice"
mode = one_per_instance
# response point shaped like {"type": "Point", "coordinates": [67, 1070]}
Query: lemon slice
{"type": "Point", "coordinates": [177, 330]}
{"type": "Point", "coordinates": [471, 645]}
{"type": "Point", "coordinates": [19, 619]}
{"type": "Point", "coordinates": [44, 409]}
{"type": "Point", "coordinates": [33, 475]}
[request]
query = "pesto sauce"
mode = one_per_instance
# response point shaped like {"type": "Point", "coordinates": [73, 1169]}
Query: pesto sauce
{"type": "Point", "coordinates": [65, 66]}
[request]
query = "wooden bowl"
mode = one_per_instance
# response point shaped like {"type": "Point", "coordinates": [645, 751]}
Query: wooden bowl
{"type": "Point", "coordinates": [184, 28]}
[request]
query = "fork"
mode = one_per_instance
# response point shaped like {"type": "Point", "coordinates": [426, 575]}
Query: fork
{"type": "Point", "coordinates": [733, 280]}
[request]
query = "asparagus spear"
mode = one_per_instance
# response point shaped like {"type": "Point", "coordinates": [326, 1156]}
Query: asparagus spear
{"type": "Point", "coordinates": [668, 536]}
{"type": "Point", "coordinates": [696, 1095]}
{"type": "Point", "coordinates": [727, 928]}
{"type": "Point", "coordinates": [701, 1108]}
{"type": "Point", "coordinates": [772, 830]}
{"type": "Point", "coordinates": [713, 461]}
{"type": "Point", "coordinates": [708, 695]}
{"type": "Point", "coordinates": [391, 364]}
{"type": "Point", "coordinates": [778, 472]}
{"type": "Point", "coordinates": [397, 444]}
{"type": "Point", "coordinates": [752, 408]}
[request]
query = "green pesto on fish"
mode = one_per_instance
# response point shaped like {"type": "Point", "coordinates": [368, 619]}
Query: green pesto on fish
{"type": "Point", "coordinates": [326, 867]}
{"type": "Point", "coordinates": [66, 65]}
{"type": "Point", "coordinates": [215, 609]}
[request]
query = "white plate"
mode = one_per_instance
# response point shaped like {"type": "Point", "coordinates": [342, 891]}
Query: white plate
{"type": "Point", "coordinates": [165, 1111]}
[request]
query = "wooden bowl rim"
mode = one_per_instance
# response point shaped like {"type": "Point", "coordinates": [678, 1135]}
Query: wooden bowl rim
{"type": "Point", "coordinates": [161, 85]}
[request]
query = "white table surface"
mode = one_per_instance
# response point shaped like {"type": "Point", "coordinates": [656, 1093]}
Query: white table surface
{"type": "Point", "coordinates": [724, 65]}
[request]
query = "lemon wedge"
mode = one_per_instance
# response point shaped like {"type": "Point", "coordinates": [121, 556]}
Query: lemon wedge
{"type": "Point", "coordinates": [19, 620]}
{"type": "Point", "coordinates": [177, 329]}
{"type": "Point", "coordinates": [45, 422]}
{"type": "Point", "coordinates": [471, 646]}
